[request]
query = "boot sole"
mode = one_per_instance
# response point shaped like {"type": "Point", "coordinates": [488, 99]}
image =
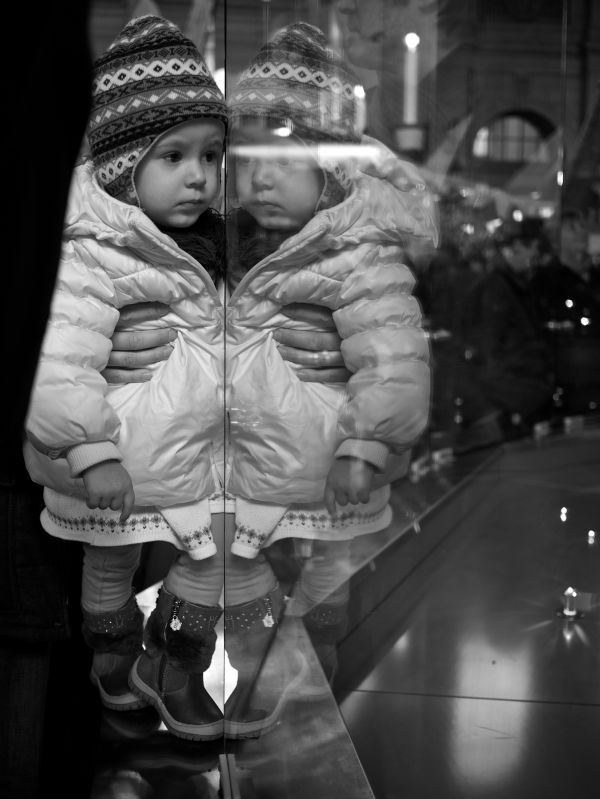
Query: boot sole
{"type": "Point", "coordinates": [189, 732]}
{"type": "Point", "coordinates": [122, 702]}
{"type": "Point", "coordinates": [238, 730]}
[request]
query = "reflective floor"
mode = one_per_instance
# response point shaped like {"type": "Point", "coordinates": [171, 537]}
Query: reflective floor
{"type": "Point", "coordinates": [462, 674]}
{"type": "Point", "coordinates": [480, 686]}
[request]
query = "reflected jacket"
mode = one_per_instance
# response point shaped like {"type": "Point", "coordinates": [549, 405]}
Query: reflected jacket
{"type": "Point", "coordinates": [349, 258]}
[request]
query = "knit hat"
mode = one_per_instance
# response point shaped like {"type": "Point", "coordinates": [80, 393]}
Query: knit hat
{"type": "Point", "coordinates": [296, 81]}
{"type": "Point", "coordinates": [150, 79]}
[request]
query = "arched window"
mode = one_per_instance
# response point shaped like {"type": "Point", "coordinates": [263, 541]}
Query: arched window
{"type": "Point", "coordinates": [513, 138]}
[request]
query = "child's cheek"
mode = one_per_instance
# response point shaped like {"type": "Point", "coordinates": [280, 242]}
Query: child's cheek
{"type": "Point", "coordinates": [242, 187]}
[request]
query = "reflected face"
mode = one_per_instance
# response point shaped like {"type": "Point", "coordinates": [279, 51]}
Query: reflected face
{"type": "Point", "coordinates": [574, 243]}
{"type": "Point", "coordinates": [179, 177]}
{"type": "Point", "coordinates": [370, 27]}
{"type": "Point", "coordinates": [362, 27]}
{"type": "Point", "coordinates": [520, 255]}
{"type": "Point", "coordinates": [276, 179]}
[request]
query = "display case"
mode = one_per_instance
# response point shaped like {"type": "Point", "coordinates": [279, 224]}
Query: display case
{"type": "Point", "coordinates": [424, 174]}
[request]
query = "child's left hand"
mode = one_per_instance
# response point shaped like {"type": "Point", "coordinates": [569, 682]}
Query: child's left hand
{"type": "Point", "coordinates": [349, 481]}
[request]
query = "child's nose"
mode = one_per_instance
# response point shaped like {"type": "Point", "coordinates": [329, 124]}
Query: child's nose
{"type": "Point", "coordinates": [196, 174]}
{"type": "Point", "coordinates": [262, 174]}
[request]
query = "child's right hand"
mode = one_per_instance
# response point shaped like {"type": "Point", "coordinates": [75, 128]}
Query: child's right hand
{"type": "Point", "coordinates": [108, 485]}
{"type": "Point", "coordinates": [349, 481]}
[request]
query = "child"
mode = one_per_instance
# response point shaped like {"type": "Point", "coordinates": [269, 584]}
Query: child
{"type": "Point", "coordinates": [321, 218]}
{"type": "Point", "coordinates": [128, 464]}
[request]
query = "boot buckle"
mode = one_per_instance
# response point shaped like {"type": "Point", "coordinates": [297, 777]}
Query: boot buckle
{"type": "Point", "coordinates": [268, 619]}
{"type": "Point", "coordinates": [175, 622]}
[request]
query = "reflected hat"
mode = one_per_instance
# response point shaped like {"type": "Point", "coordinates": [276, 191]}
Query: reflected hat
{"type": "Point", "coordinates": [296, 79]}
{"type": "Point", "coordinates": [297, 82]}
{"type": "Point", "coordinates": [150, 79]}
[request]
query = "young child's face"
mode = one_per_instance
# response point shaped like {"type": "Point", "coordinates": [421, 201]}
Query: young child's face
{"type": "Point", "coordinates": [179, 177]}
{"type": "Point", "coordinates": [277, 180]}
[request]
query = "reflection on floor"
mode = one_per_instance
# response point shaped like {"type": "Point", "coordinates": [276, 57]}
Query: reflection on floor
{"type": "Point", "coordinates": [467, 679]}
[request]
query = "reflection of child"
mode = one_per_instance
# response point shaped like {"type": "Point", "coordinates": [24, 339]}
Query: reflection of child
{"type": "Point", "coordinates": [139, 227]}
{"type": "Point", "coordinates": [319, 220]}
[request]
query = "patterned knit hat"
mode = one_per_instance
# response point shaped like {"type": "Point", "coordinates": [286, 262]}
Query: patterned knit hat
{"type": "Point", "coordinates": [297, 81]}
{"type": "Point", "coordinates": [150, 79]}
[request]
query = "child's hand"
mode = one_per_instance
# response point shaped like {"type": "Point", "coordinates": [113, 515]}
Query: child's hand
{"type": "Point", "coordinates": [108, 485]}
{"type": "Point", "coordinates": [349, 481]}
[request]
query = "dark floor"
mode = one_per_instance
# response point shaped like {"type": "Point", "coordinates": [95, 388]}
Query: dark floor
{"type": "Point", "coordinates": [474, 685]}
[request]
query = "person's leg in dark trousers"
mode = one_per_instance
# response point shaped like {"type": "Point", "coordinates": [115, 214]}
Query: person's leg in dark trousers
{"type": "Point", "coordinates": [24, 673]}
{"type": "Point", "coordinates": [73, 711]}
{"type": "Point", "coordinates": [46, 126]}
{"type": "Point", "coordinates": [49, 712]}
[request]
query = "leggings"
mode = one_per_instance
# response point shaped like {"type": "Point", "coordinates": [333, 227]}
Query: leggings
{"type": "Point", "coordinates": [108, 574]}
{"type": "Point", "coordinates": [324, 580]}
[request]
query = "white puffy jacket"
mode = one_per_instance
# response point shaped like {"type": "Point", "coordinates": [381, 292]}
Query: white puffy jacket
{"type": "Point", "coordinates": [164, 429]}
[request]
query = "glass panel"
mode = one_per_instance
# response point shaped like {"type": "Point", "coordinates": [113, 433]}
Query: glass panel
{"type": "Point", "coordinates": [309, 205]}
{"type": "Point", "coordinates": [453, 91]}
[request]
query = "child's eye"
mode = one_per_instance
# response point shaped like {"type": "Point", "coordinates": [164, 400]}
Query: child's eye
{"type": "Point", "coordinates": [211, 156]}
{"type": "Point", "coordinates": [172, 157]}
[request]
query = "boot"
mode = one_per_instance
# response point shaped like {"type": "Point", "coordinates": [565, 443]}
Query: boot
{"type": "Point", "coordinates": [179, 644]}
{"type": "Point", "coordinates": [116, 638]}
{"type": "Point", "coordinates": [267, 670]}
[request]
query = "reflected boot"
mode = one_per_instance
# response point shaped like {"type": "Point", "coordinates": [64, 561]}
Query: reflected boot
{"type": "Point", "coordinates": [326, 625]}
{"type": "Point", "coordinates": [268, 670]}
{"type": "Point", "coordinates": [116, 638]}
{"type": "Point", "coordinates": [180, 641]}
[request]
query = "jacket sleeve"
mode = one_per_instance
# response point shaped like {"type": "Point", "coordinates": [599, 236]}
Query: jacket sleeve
{"type": "Point", "coordinates": [68, 410]}
{"type": "Point", "coordinates": [386, 349]}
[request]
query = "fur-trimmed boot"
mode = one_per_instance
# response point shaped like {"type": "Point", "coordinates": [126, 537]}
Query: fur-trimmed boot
{"type": "Point", "coordinates": [267, 669]}
{"type": "Point", "coordinates": [116, 638]}
{"type": "Point", "coordinates": [179, 644]}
